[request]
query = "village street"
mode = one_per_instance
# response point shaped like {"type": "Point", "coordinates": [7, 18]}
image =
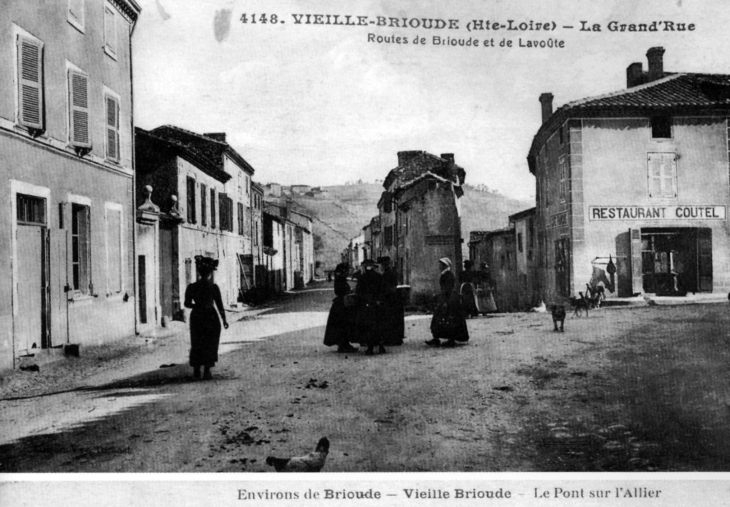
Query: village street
{"type": "Point", "coordinates": [624, 389]}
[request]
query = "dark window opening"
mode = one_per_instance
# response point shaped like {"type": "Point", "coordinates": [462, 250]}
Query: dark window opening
{"type": "Point", "coordinates": [661, 127]}
{"type": "Point", "coordinates": [31, 209]}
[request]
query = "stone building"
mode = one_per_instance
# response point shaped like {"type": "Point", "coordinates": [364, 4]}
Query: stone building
{"type": "Point", "coordinates": [420, 218]}
{"type": "Point", "coordinates": [203, 188]}
{"type": "Point", "coordinates": [511, 258]}
{"type": "Point", "coordinates": [633, 188]}
{"type": "Point", "coordinates": [297, 254]}
{"type": "Point", "coordinates": [66, 161]}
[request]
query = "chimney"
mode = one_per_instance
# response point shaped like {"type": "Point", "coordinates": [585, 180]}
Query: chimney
{"type": "Point", "coordinates": [405, 156]}
{"type": "Point", "coordinates": [546, 99]}
{"type": "Point", "coordinates": [634, 75]}
{"type": "Point", "coordinates": [656, 63]}
{"type": "Point", "coordinates": [217, 136]}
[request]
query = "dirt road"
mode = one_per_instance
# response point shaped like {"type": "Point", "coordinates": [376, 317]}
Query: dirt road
{"type": "Point", "coordinates": [630, 389]}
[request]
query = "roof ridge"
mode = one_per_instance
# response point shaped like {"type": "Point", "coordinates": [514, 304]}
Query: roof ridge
{"type": "Point", "coordinates": [625, 91]}
{"type": "Point", "coordinates": [190, 132]}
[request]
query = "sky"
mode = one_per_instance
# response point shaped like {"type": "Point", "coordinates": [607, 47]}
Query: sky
{"type": "Point", "coordinates": [324, 105]}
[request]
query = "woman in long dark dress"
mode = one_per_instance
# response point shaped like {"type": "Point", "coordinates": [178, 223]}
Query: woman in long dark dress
{"type": "Point", "coordinates": [340, 323]}
{"type": "Point", "coordinates": [448, 320]}
{"type": "Point", "coordinates": [369, 321]}
{"type": "Point", "coordinates": [203, 297]}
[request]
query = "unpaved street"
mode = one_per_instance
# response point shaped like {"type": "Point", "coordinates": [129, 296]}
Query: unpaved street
{"type": "Point", "coordinates": [624, 389]}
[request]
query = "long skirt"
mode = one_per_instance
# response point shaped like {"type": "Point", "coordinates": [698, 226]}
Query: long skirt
{"type": "Point", "coordinates": [340, 324]}
{"type": "Point", "coordinates": [369, 324]}
{"type": "Point", "coordinates": [469, 299]}
{"type": "Point", "coordinates": [485, 300]}
{"type": "Point", "coordinates": [449, 322]}
{"type": "Point", "coordinates": [205, 334]}
{"type": "Point", "coordinates": [393, 321]}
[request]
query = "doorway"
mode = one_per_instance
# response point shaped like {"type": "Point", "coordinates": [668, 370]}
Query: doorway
{"type": "Point", "coordinates": [676, 261]}
{"type": "Point", "coordinates": [31, 316]}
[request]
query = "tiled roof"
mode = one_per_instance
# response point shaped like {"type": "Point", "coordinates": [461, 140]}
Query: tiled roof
{"type": "Point", "coordinates": [209, 148]}
{"type": "Point", "coordinates": [420, 164]}
{"type": "Point", "coordinates": [676, 92]}
{"type": "Point", "coordinates": [149, 144]}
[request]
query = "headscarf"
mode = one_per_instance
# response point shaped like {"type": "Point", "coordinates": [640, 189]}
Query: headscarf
{"type": "Point", "coordinates": [446, 261]}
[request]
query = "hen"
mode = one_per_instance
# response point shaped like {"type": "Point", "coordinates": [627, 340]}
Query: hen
{"type": "Point", "coordinates": [312, 462]}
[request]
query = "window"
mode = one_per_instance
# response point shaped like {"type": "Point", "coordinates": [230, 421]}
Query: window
{"type": "Point", "coordinates": [80, 246]}
{"type": "Point", "coordinates": [114, 248]}
{"type": "Point", "coordinates": [191, 200]}
{"type": "Point", "coordinates": [661, 127]}
{"type": "Point", "coordinates": [30, 83]}
{"type": "Point", "coordinates": [112, 128]}
{"type": "Point", "coordinates": [76, 14]}
{"type": "Point", "coordinates": [225, 207]}
{"type": "Point", "coordinates": [240, 219]}
{"type": "Point", "coordinates": [212, 208]}
{"type": "Point", "coordinates": [203, 205]}
{"type": "Point", "coordinates": [519, 241]}
{"type": "Point", "coordinates": [562, 267]}
{"type": "Point", "coordinates": [531, 232]}
{"type": "Point", "coordinates": [662, 175]}
{"type": "Point", "coordinates": [31, 210]}
{"type": "Point", "coordinates": [110, 31]}
{"type": "Point", "coordinates": [563, 179]}
{"type": "Point", "coordinates": [78, 87]}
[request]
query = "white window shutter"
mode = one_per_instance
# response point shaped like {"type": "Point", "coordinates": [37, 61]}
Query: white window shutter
{"type": "Point", "coordinates": [79, 109]}
{"type": "Point", "coordinates": [112, 128]}
{"type": "Point", "coordinates": [30, 80]}
{"type": "Point", "coordinates": [110, 30]}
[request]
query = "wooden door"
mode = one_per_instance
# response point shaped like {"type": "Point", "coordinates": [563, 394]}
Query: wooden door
{"type": "Point", "coordinates": [637, 279]}
{"type": "Point", "coordinates": [30, 320]}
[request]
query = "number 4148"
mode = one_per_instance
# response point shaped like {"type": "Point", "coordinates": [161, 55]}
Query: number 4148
{"type": "Point", "coordinates": [259, 18]}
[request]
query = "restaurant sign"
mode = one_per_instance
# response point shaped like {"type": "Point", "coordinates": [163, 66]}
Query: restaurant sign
{"type": "Point", "coordinates": [660, 212]}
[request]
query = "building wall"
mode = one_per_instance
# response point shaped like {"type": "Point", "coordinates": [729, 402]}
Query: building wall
{"type": "Point", "coordinates": [430, 230]}
{"type": "Point", "coordinates": [608, 167]}
{"type": "Point", "coordinates": [57, 177]}
{"type": "Point", "coordinates": [46, 167]}
{"type": "Point", "coordinates": [701, 179]}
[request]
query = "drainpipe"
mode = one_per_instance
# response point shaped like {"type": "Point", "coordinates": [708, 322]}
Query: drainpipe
{"type": "Point", "coordinates": [134, 195]}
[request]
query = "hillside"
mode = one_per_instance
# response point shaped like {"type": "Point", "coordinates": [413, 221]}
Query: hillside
{"type": "Point", "coordinates": [343, 213]}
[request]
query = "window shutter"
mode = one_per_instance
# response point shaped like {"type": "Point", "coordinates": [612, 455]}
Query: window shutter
{"type": "Point", "coordinates": [110, 31]}
{"type": "Point", "coordinates": [30, 80]}
{"type": "Point", "coordinates": [112, 128]}
{"type": "Point", "coordinates": [79, 101]}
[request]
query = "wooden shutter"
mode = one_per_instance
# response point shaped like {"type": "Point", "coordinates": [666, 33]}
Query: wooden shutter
{"type": "Point", "coordinates": [30, 81]}
{"type": "Point", "coordinates": [212, 208]}
{"type": "Point", "coordinates": [637, 279]}
{"type": "Point", "coordinates": [112, 128]}
{"type": "Point", "coordinates": [704, 251]}
{"type": "Point", "coordinates": [110, 30]}
{"type": "Point", "coordinates": [79, 101]}
{"type": "Point", "coordinates": [662, 174]}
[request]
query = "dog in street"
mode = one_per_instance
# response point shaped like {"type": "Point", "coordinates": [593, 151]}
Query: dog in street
{"type": "Point", "coordinates": [558, 312]}
{"type": "Point", "coordinates": [579, 303]}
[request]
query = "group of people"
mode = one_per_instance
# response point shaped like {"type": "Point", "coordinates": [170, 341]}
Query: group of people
{"type": "Point", "coordinates": [371, 315]}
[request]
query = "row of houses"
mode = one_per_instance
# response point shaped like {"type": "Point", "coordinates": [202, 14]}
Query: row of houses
{"type": "Point", "coordinates": [104, 219]}
{"type": "Point", "coordinates": [418, 221]}
{"type": "Point", "coordinates": [633, 189]}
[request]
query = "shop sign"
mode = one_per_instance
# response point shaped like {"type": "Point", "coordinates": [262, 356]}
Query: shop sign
{"type": "Point", "coordinates": [688, 212]}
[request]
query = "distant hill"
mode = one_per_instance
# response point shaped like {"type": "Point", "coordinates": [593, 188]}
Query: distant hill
{"type": "Point", "coordinates": [348, 208]}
